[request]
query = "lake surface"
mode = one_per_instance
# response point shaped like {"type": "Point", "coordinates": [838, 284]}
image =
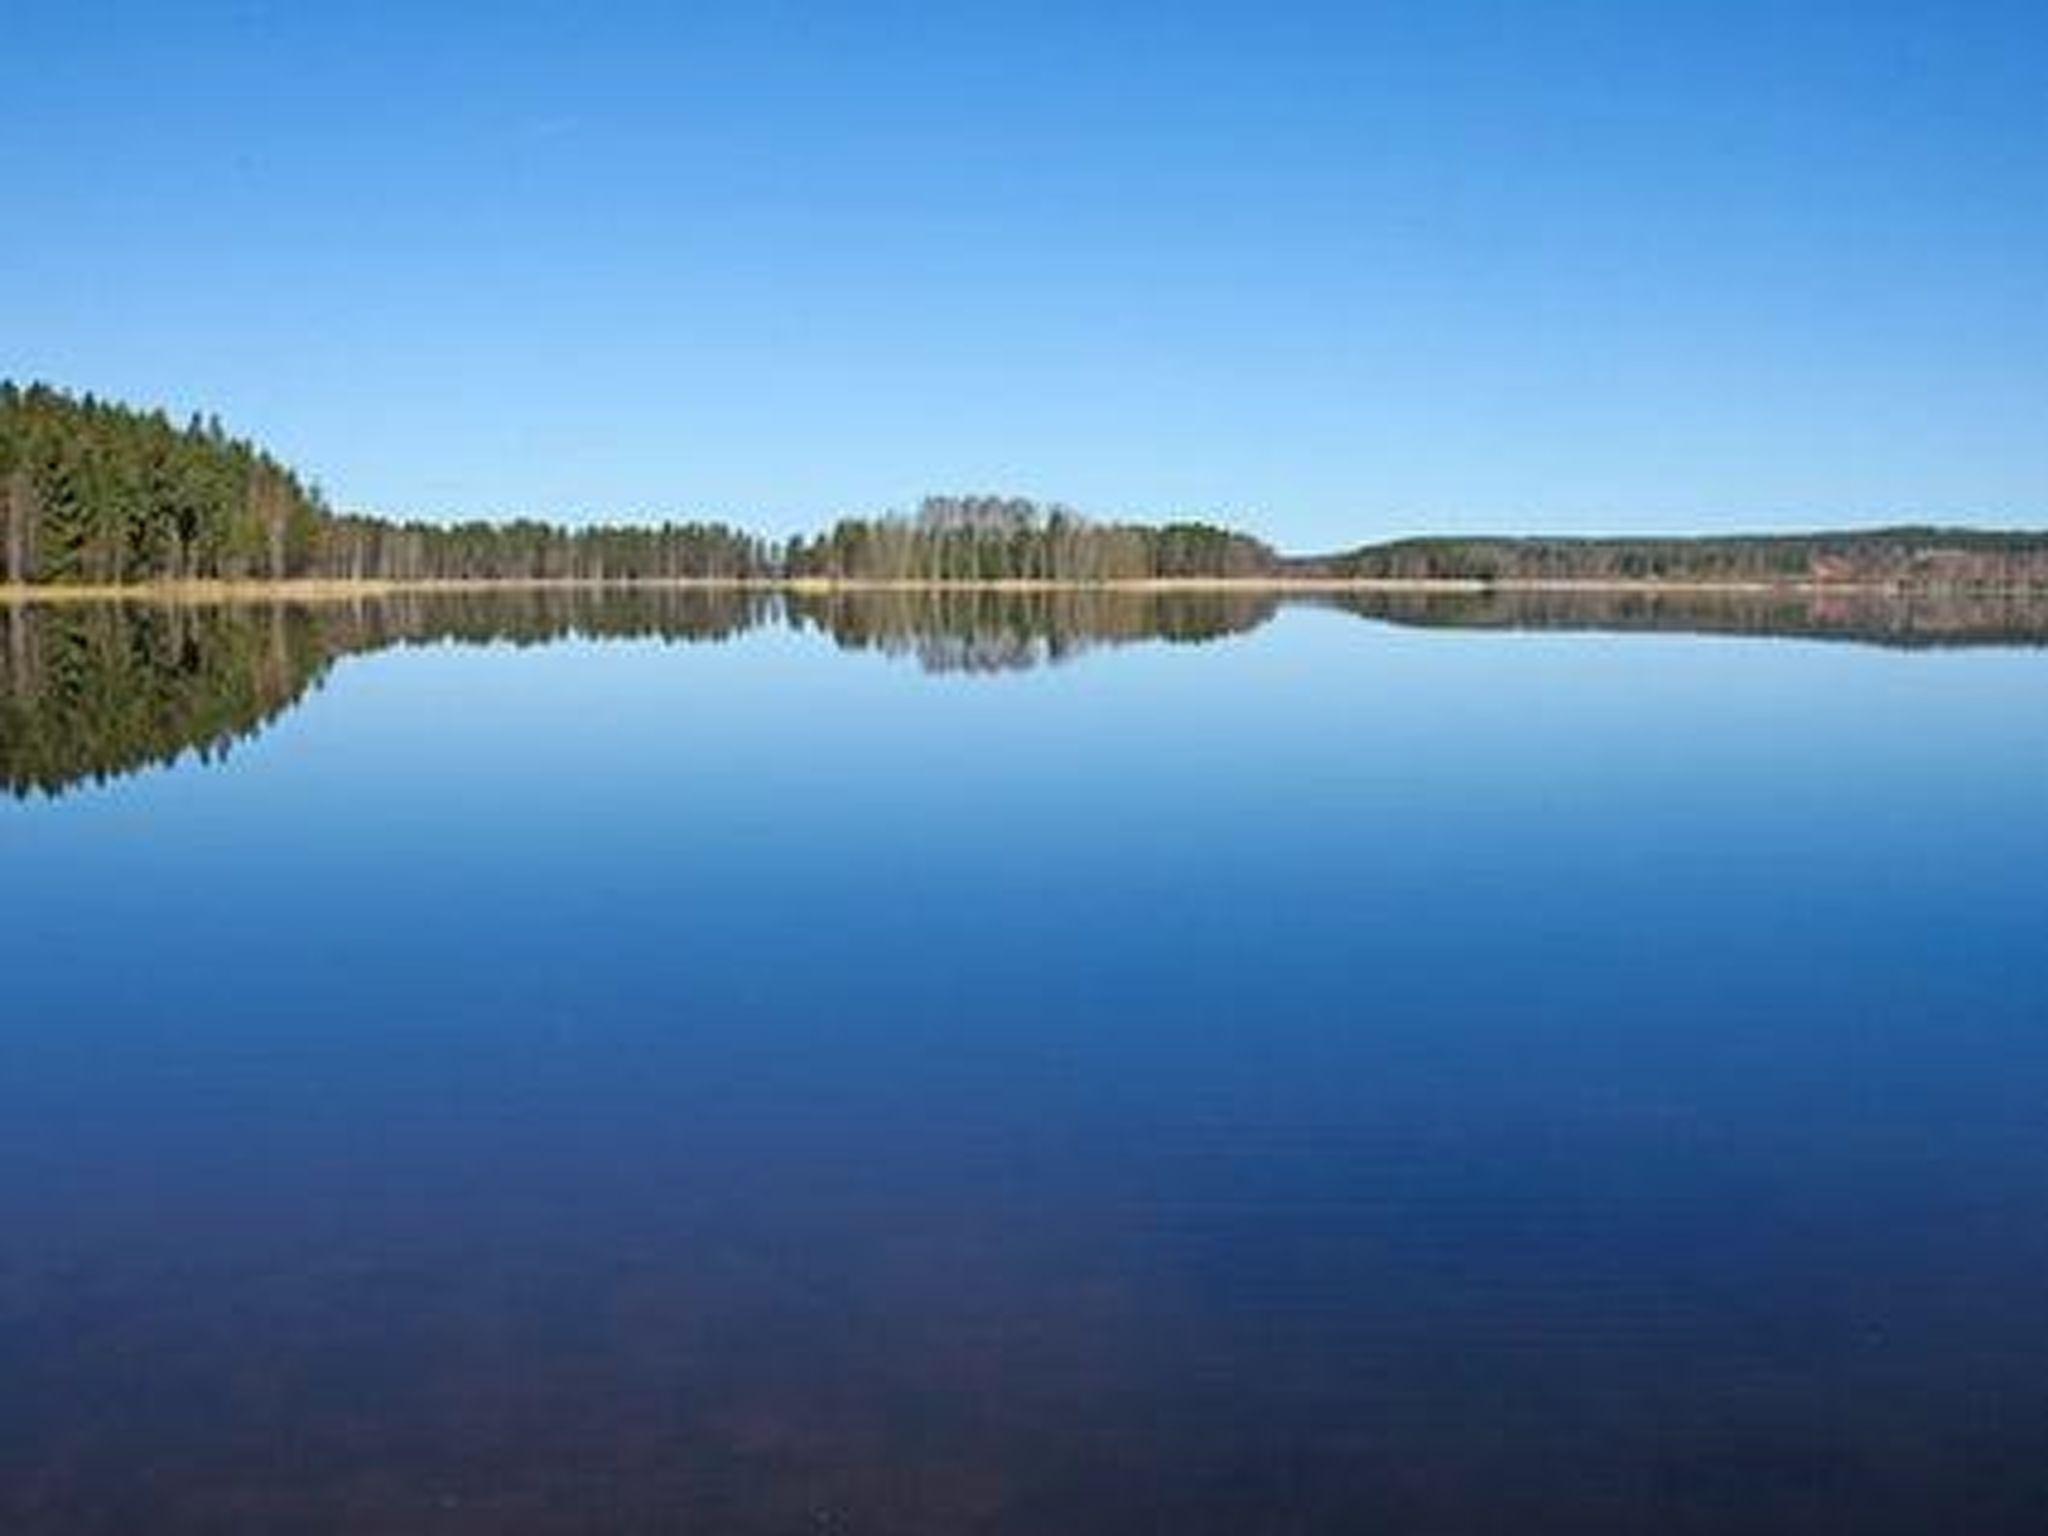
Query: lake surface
{"type": "Point", "coordinates": [1016, 1063]}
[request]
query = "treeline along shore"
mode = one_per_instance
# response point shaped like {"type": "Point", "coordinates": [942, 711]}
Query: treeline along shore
{"type": "Point", "coordinates": [96, 496]}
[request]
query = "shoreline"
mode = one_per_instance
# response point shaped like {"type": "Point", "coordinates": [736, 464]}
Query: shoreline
{"type": "Point", "coordinates": [332, 590]}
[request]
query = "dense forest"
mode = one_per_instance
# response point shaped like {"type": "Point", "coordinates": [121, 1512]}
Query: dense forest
{"type": "Point", "coordinates": [992, 538]}
{"type": "Point", "coordinates": [372, 549]}
{"type": "Point", "coordinates": [98, 494]}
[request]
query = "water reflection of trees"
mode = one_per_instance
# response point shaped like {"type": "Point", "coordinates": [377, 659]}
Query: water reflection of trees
{"type": "Point", "coordinates": [90, 691]}
{"type": "Point", "coordinates": [543, 615]}
{"type": "Point", "coordinates": [1903, 619]}
{"type": "Point", "coordinates": [1008, 629]}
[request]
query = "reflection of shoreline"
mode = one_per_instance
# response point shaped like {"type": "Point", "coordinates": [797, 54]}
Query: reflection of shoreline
{"type": "Point", "coordinates": [92, 689]}
{"type": "Point", "coordinates": [980, 628]}
{"type": "Point", "coordinates": [1912, 618]}
{"type": "Point", "coordinates": [326, 591]}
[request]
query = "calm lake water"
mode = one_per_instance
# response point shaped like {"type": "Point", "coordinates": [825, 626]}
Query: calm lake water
{"type": "Point", "coordinates": [1024, 1065]}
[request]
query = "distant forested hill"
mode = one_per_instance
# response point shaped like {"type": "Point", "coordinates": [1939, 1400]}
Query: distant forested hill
{"type": "Point", "coordinates": [1907, 556]}
{"type": "Point", "coordinates": [93, 493]}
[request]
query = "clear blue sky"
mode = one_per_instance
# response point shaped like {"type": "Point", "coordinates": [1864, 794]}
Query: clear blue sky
{"type": "Point", "coordinates": [1335, 271]}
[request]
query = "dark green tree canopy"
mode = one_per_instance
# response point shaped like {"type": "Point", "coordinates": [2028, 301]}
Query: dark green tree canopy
{"type": "Point", "coordinates": [100, 494]}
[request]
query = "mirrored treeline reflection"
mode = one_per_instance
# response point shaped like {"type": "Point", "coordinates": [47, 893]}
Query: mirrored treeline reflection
{"type": "Point", "coordinates": [988, 629]}
{"type": "Point", "coordinates": [94, 690]}
{"type": "Point", "coordinates": [91, 690]}
{"type": "Point", "coordinates": [1907, 619]}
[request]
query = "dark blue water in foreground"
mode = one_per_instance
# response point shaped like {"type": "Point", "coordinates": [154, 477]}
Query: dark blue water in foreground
{"type": "Point", "coordinates": [1341, 1078]}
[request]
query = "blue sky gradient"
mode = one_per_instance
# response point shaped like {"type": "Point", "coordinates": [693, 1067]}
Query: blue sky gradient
{"type": "Point", "coordinates": [1334, 272]}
